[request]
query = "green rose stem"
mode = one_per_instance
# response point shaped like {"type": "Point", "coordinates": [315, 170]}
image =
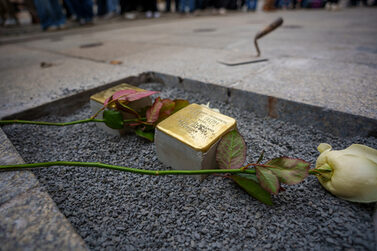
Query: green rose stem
{"type": "Point", "coordinates": [131, 170]}
{"type": "Point", "coordinates": [16, 121]}
{"type": "Point", "coordinates": [122, 168]}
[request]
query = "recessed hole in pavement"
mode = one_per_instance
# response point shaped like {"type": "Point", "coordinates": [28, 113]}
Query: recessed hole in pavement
{"type": "Point", "coordinates": [204, 30]}
{"type": "Point", "coordinates": [367, 49]}
{"type": "Point", "coordinates": [90, 45]}
{"type": "Point", "coordinates": [116, 210]}
{"type": "Point", "coordinates": [291, 26]}
{"type": "Point", "coordinates": [56, 39]}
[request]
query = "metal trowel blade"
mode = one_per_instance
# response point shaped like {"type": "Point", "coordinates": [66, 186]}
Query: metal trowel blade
{"type": "Point", "coordinates": [240, 60]}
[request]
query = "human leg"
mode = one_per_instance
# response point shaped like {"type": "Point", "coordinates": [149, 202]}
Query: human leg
{"type": "Point", "coordinates": [87, 10]}
{"type": "Point", "coordinates": [254, 5]}
{"type": "Point", "coordinates": [127, 7]}
{"type": "Point", "coordinates": [57, 13]}
{"type": "Point", "coordinates": [3, 11]}
{"type": "Point", "coordinates": [9, 11]}
{"type": "Point", "coordinates": [182, 5]}
{"type": "Point", "coordinates": [101, 7]}
{"type": "Point", "coordinates": [45, 13]}
{"type": "Point", "coordinates": [67, 4]}
{"type": "Point", "coordinates": [191, 5]}
{"type": "Point", "coordinates": [112, 5]}
{"type": "Point", "coordinates": [167, 5]}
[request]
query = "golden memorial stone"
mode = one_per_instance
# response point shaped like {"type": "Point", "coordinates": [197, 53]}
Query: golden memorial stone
{"type": "Point", "coordinates": [97, 100]}
{"type": "Point", "coordinates": [187, 140]}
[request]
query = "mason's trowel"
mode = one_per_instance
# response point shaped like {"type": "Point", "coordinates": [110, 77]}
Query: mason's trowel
{"type": "Point", "coordinates": [240, 59]}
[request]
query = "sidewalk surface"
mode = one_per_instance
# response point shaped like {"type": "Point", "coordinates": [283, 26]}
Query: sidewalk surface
{"type": "Point", "coordinates": [328, 59]}
{"type": "Point", "coordinates": [320, 58]}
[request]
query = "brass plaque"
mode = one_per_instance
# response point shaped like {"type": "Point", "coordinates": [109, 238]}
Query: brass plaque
{"type": "Point", "coordinates": [197, 126]}
{"type": "Point", "coordinates": [103, 95]}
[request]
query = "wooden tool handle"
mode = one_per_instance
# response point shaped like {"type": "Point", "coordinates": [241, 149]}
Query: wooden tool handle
{"type": "Point", "coordinates": [275, 24]}
{"type": "Point", "coordinates": [265, 31]}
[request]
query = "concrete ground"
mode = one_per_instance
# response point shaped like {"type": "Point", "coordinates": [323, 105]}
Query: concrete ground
{"type": "Point", "coordinates": [319, 58]}
{"type": "Point", "coordinates": [328, 59]}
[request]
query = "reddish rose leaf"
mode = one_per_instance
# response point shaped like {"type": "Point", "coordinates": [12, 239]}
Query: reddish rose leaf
{"type": "Point", "coordinates": [107, 101]}
{"type": "Point", "coordinates": [267, 179]}
{"type": "Point", "coordinates": [166, 109]}
{"type": "Point", "coordinates": [122, 94]}
{"type": "Point", "coordinates": [179, 104]}
{"type": "Point", "coordinates": [168, 106]}
{"type": "Point", "coordinates": [139, 95]}
{"type": "Point", "coordinates": [289, 171]}
{"type": "Point", "coordinates": [154, 111]}
{"type": "Point", "coordinates": [231, 151]}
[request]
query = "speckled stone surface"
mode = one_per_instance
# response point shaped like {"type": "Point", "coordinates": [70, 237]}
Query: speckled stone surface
{"type": "Point", "coordinates": [29, 219]}
{"type": "Point", "coordinates": [114, 210]}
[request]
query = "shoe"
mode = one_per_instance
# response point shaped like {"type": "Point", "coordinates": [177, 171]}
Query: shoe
{"type": "Point", "coordinates": [52, 28]}
{"type": "Point", "coordinates": [10, 21]}
{"type": "Point", "coordinates": [334, 7]}
{"type": "Point", "coordinates": [89, 21]}
{"type": "Point", "coordinates": [129, 15]}
{"type": "Point", "coordinates": [109, 15]}
{"type": "Point", "coordinates": [148, 14]}
{"type": "Point", "coordinates": [156, 14]}
{"type": "Point", "coordinates": [222, 11]}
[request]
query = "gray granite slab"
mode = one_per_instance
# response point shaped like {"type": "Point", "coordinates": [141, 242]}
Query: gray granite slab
{"type": "Point", "coordinates": [29, 219]}
{"type": "Point", "coordinates": [32, 221]}
{"type": "Point", "coordinates": [15, 183]}
{"type": "Point", "coordinates": [31, 85]}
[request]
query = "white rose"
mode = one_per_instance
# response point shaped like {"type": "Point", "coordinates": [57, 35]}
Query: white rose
{"type": "Point", "coordinates": [350, 174]}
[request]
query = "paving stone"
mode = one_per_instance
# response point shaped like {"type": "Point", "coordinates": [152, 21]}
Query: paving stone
{"type": "Point", "coordinates": [32, 221]}
{"type": "Point", "coordinates": [15, 57]}
{"type": "Point", "coordinates": [320, 58]}
{"type": "Point", "coordinates": [13, 183]}
{"type": "Point", "coordinates": [103, 49]}
{"type": "Point", "coordinates": [67, 76]}
{"type": "Point", "coordinates": [29, 219]}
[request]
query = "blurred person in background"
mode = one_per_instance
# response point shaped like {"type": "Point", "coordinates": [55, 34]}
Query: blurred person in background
{"type": "Point", "coordinates": [83, 10]}
{"type": "Point", "coordinates": [112, 8]}
{"type": "Point", "coordinates": [101, 8]}
{"type": "Point", "coordinates": [69, 10]}
{"type": "Point", "coordinates": [251, 5]}
{"type": "Point", "coordinates": [168, 5]}
{"type": "Point", "coordinates": [186, 6]}
{"type": "Point", "coordinates": [220, 6]}
{"type": "Point", "coordinates": [332, 5]}
{"type": "Point", "coordinates": [269, 5]}
{"type": "Point", "coordinates": [284, 4]}
{"type": "Point", "coordinates": [8, 13]}
{"type": "Point", "coordinates": [30, 7]}
{"type": "Point", "coordinates": [150, 9]}
{"type": "Point", "coordinates": [50, 14]}
{"type": "Point", "coordinates": [128, 8]}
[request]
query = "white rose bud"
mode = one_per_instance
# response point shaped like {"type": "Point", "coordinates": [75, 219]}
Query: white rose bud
{"type": "Point", "coordinates": [350, 174]}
